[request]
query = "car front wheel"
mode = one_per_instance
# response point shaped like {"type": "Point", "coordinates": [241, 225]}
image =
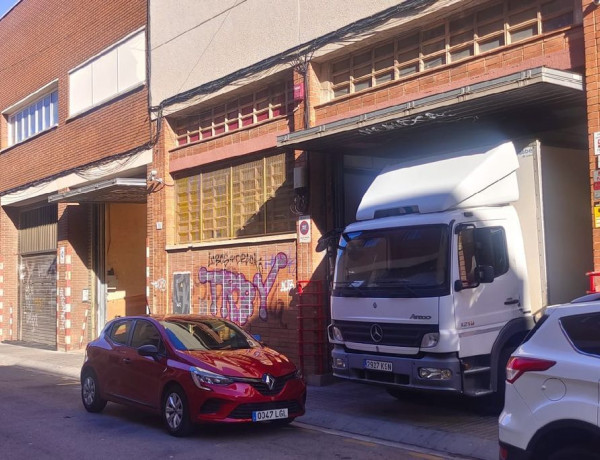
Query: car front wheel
{"type": "Point", "coordinates": [176, 413]}
{"type": "Point", "coordinates": [90, 393]}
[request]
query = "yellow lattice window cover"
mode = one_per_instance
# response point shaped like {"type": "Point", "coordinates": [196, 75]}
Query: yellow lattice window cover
{"type": "Point", "coordinates": [247, 199]}
{"type": "Point", "coordinates": [458, 37]}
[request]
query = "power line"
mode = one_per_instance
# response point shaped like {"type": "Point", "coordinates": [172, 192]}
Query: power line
{"type": "Point", "coordinates": [226, 10]}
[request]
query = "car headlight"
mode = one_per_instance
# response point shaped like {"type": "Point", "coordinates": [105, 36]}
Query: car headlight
{"type": "Point", "coordinates": [202, 378]}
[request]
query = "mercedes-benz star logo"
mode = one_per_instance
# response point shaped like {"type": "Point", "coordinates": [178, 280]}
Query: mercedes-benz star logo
{"type": "Point", "coordinates": [376, 333]}
{"type": "Point", "coordinates": [268, 380]}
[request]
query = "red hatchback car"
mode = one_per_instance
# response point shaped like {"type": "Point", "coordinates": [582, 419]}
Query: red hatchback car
{"type": "Point", "coordinates": [190, 369]}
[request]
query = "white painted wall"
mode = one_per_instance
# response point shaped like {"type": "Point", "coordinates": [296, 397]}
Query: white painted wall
{"type": "Point", "coordinates": [194, 42]}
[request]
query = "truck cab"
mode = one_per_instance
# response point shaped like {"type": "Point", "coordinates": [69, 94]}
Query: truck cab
{"type": "Point", "coordinates": [430, 285]}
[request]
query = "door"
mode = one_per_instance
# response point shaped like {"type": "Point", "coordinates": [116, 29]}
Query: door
{"type": "Point", "coordinates": [488, 292]}
{"type": "Point", "coordinates": [38, 299]}
{"type": "Point", "coordinates": [118, 357]}
{"type": "Point", "coordinates": [141, 374]}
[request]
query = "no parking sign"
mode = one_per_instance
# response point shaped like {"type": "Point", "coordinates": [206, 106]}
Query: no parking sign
{"type": "Point", "coordinates": [304, 229]}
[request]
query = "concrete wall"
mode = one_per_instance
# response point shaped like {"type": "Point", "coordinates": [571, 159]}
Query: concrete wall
{"type": "Point", "coordinates": [191, 46]}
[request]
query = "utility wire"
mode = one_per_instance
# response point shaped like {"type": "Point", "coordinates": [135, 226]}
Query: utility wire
{"type": "Point", "coordinates": [226, 10]}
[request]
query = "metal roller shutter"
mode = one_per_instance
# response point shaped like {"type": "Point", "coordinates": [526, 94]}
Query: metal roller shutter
{"type": "Point", "coordinates": [38, 299]}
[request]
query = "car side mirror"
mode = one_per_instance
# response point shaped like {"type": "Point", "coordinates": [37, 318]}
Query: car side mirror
{"type": "Point", "coordinates": [484, 273]}
{"type": "Point", "coordinates": [148, 350]}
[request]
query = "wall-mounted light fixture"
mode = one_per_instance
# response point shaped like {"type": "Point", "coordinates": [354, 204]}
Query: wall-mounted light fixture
{"type": "Point", "coordinates": [152, 177]}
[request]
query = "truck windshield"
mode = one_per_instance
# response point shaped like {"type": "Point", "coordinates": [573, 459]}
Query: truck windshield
{"type": "Point", "coordinates": [394, 262]}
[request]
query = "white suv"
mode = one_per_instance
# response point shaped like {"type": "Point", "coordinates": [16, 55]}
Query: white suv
{"type": "Point", "coordinates": [552, 401]}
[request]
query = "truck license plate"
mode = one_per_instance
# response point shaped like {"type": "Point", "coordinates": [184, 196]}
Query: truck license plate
{"type": "Point", "coordinates": [273, 414]}
{"type": "Point", "coordinates": [385, 366]}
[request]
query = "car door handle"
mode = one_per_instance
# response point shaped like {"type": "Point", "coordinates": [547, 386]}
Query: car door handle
{"type": "Point", "coordinates": [126, 361]}
{"type": "Point", "coordinates": [511, 301]}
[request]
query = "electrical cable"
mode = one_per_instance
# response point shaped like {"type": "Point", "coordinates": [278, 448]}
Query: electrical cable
{"type": "Point", "coordinates": [289, 55]}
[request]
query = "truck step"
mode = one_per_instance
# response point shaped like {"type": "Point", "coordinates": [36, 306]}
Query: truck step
{"type": "Point", "coordinates": [483, 392]}
{"type": "Point", "coordinates": [477, 370]}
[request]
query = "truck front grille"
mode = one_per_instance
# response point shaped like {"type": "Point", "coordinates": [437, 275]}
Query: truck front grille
{"type": "Point", "coordinates": [395, 335]}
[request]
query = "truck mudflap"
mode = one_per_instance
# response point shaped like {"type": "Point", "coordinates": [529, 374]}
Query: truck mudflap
{"type": "Point", "coordinates": [439, 373]}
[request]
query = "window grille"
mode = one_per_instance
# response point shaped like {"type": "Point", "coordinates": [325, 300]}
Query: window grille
{"type": "Point", "coordinates": [451, 40]}
{"type": "Point", "coordinates": [262, 105]}
{"type": "Point", "coordinates": [37, 117]}
{"type": "Point", "coordinates": [242, 200]}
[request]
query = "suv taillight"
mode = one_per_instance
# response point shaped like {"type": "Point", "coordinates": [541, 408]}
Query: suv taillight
{"type": "Point", "coordinates": [517, 366]}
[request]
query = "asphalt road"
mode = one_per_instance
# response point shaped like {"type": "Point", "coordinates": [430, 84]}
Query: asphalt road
{"type": "Point", "coordinates": [41, 417]}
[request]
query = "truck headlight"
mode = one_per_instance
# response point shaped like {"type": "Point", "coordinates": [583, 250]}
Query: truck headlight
{"type": "Point", "coordinates": [430, 340]}
{"type": "Point", "coordinates": [337, 334]}
{"type": "Point", "coordinates": [202, 378]}
{"type": "Point", "coordinates": [433, 373]}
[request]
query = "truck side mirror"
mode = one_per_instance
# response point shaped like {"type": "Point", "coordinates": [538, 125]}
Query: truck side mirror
{"type": "Point", "coordinates": [329, 240]}
{"type": "Point", "coordinates": [484, 274]}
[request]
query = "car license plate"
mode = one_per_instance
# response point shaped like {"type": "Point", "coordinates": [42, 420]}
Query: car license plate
{"type": "Point", "coordinates": [273, 414]}
{"type": "Point", "coordinates": [384, 366]}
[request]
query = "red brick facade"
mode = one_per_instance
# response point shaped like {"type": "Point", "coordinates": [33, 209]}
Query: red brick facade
{"type": "Point", "coordinates": [40, 43]}
{"type": "Point", "coordinates": [269, 267]}
{"type": "Point", "coordinates": [591, 22]}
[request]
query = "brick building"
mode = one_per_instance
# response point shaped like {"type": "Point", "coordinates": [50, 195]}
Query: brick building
{"type": "Point", "coordinates": [274, 118]}
{"type": "Point", "coordinates": [74, 148]}
{"type": "Point", "coordinates": [271, 119]}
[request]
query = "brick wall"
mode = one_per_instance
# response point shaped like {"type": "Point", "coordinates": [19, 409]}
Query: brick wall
{"type": "Point", "coordinates": [9, 263]}
{"type": "Point", "coordinates": [41, 42]}
{"type": "Point", "coordinates": [73, 275]}
{"type": "Point", "coordinates": [252, 285]}
{"type": "Point", "coordinates": [560, 50]}
{"type": "Point", "coordinates": [591, 32]}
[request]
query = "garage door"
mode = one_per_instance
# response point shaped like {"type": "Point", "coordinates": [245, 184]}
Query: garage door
{"type": "Point", "coordinates": [38, 299]}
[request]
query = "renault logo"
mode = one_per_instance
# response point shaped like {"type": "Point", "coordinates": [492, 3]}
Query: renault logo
{"type": "Point", "coordinates": [268, 380]}
{"type": "Point", "coordinates": [376, 333]}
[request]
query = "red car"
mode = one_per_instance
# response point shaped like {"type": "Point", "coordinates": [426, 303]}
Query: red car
{"type": "Point", "coordinates": [190, 369]}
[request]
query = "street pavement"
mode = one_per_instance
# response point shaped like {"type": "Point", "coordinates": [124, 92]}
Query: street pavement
{"type": "Point", "coordinates": [430, 422]}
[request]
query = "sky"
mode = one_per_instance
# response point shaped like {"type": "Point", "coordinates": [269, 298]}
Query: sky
{"type": "Point", "coordinates": [6, 5]}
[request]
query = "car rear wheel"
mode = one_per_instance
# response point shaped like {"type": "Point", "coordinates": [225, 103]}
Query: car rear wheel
{"type": "Point", "coordinates": [176, 413]}
{"type": "Point", "coordinates": [90, 393]}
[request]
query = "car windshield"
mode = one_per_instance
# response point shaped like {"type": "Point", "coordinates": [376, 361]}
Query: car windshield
{"type": "Point", "coordinates": [411, 261]}
{"type": "Point", "coordinates": [206, 334]}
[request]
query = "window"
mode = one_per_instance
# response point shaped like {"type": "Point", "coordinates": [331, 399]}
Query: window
{"type": "Point", "coordinates": [247, 199]}
{"type": "Point", "coordinates": [400, 262]}
{"type": "Point", "coordinates": [115, 71]}
{"type": "Point", "coordinates": [458, 37]}
{"type": "Point", "coordinates": [145, 333]}
{"type": "Point", "coordinates": [38, 115]}
{"type": "Point", "coordinates": [266, 104]}
{"type": "Point", "coordinates": [478, 247]}
{"type": "Point", "coordinates": [120, 332]}
{"type": "Point", "coordinates": [582, 331]}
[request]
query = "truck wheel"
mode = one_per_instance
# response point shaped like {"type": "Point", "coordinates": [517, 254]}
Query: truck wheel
{"type": "Point", "coordinates": [493, 403]}
{"type": "Point", "coordinates": [501, 377]}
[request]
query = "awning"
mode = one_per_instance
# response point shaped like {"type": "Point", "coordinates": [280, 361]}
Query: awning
{"type": "Point", "coordinates": [123, 190]}
{"type": "Point", "coordinates": [539, 95]}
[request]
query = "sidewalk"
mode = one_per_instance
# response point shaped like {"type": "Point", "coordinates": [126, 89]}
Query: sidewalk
{"type": "Point", "coordinates": [429, 422]}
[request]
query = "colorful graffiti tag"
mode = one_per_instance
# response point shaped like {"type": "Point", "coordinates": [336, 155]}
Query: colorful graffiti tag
{"type": "Point", "coordinates": [238, 294]}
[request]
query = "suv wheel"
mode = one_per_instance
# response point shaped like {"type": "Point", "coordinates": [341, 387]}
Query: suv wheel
{"type": "Point", "coordinates": [574, 452]}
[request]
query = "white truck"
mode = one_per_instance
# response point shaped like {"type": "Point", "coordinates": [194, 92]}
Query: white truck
{"type": "Point", "coordinates": [438, 280]}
